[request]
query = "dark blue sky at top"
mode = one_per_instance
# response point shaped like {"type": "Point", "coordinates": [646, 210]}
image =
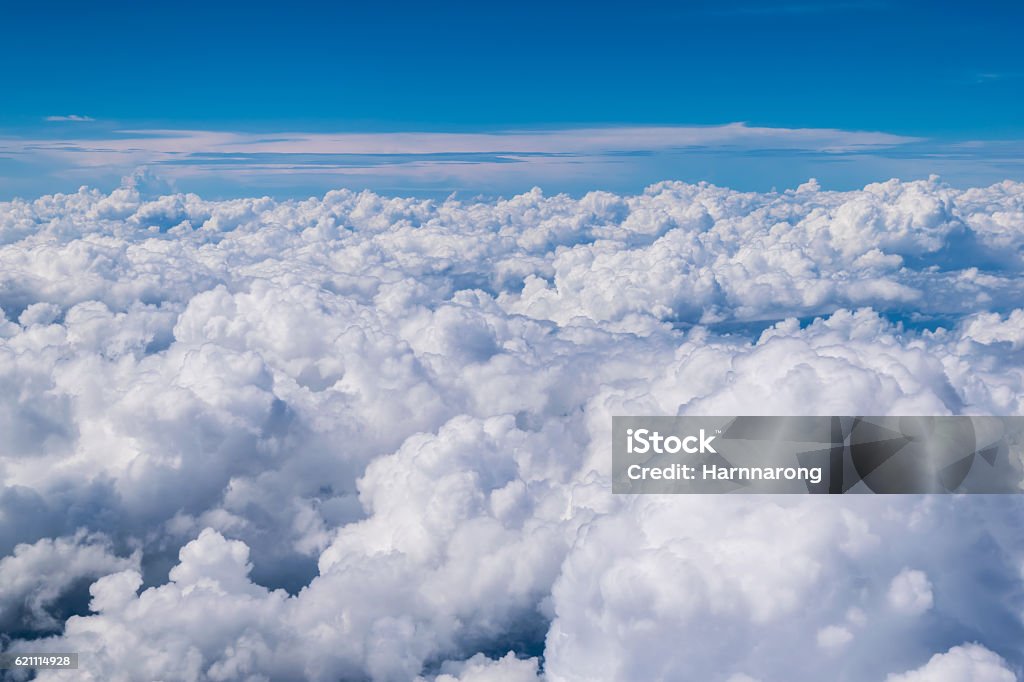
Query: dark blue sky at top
{"type": "Point", "coordinates": [917, 68]}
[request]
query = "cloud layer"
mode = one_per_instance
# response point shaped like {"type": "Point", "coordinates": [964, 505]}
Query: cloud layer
{"type": "Point", "coordinates": [358, 437]}
{"type": "Point", "coordinates": [230, 163]}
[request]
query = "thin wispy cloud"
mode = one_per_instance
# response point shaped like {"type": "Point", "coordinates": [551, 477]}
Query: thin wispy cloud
{"type": "Point", "coordinates": [619, 158]}
{"type": "Point", "coordinates": [495, 160]}
{"type": "Point", "coordinates": [996, 76]}
{"type": "Point", "coordinates": [164, 142]}
{"type": "Point", "coordinates": [72, 118]}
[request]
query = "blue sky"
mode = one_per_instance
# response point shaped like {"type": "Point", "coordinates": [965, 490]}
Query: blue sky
{"type": "Point", "coordinates": [947, 79]}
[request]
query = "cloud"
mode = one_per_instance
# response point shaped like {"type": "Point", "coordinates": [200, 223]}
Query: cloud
{"type": "Point", "coordinates": [491, 161]}
{"type": "Point", "coordinates": [638, 596]}
{"type": "Point", "coordinates": [621, 158]}
{"type": "Point", "coordinates": [162, 143]}
{"type": "Point", "coordinates": [366, 437]}
{"type": "Point", "coordinates": [34, 577]}
{"type": "Point", "coordinates": [965, 663]}
{"type": "Point", "coordinates": [911, 592]}
{"type": "Point", "coordinates": [191, 154]}
{"type": "Point", "coordinates": [74, 118]}
{"type": "Point", "coordinates": [834, 637]}
{"type": "Point", "coordinates": [482, 669]}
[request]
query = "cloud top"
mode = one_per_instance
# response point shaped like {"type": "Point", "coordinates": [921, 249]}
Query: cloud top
{"type": "Point", "coordinates": [368, 437]}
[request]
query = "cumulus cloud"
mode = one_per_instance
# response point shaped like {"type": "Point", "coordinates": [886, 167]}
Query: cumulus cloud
{"type": "Point", "coordinates": [367, 437]}
{"type": "Point", "coordinates": [481, 669]}
{"type": "Point", "coordinates": [910, 592]}
{"type": "Point", "coordinates": [965, 663]}
{"type": "Point", "coordinates": [834, 637]}
{"type": "Point", "coordinates": [34, 577]}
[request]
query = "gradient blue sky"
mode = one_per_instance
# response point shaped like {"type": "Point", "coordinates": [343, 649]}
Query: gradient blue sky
{"type": "Point", "coordinates": [949, 75]}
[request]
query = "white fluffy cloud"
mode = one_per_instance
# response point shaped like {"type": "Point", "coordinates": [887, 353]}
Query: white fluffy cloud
{"type": "Point", "coordinates": [910, 592]}
{"type": "Point", "coordinates": [33, 578]}
{"type": "Point", "coordinates": [966, 663]}
{"type": "Point", "coordinates": [359, 437]}
{"type": "Point", "coordinates": [833, 636]}
{"type": "Point", "coordinates": [481, 669]}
